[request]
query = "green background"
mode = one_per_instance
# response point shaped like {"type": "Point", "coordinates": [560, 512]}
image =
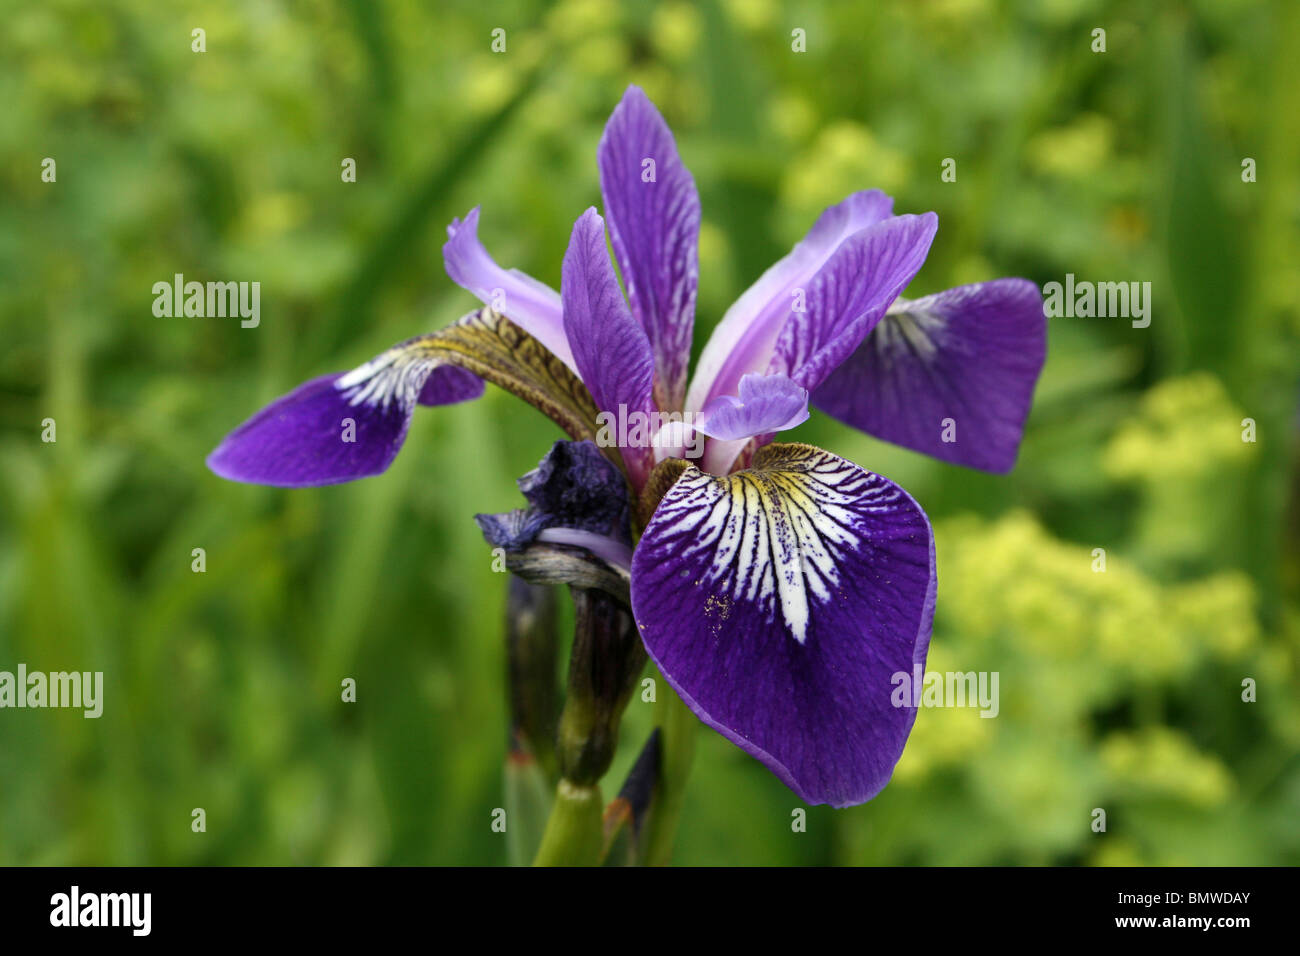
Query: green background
{"type": "Point", "coordinates": [1119, 690]}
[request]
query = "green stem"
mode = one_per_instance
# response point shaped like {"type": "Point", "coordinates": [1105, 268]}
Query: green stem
{"type": "Point", "coordinates": [573, 834]}
{"type": "Point", "coordinates": [677, 727]}
{"type": "Point", "coordinates": [528, 806]}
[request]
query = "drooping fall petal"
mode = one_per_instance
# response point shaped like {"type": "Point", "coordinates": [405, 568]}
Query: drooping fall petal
{"type": "Point", "coordinates": [346, 426]}
{"type": "Point", "coordinates": [951, 375]}
{"type": "Point", "coordinates": [340, 427]}
{"type": "Point", "coordinates": [781, 603]}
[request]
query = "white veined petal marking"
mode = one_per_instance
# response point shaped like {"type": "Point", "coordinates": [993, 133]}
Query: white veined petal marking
{"type": "Point", "coordinates": [774, 535]}
{"type": "Point", "coordinates": [905, 328]}
{"type": "Point", "coordinates": [397, 375]}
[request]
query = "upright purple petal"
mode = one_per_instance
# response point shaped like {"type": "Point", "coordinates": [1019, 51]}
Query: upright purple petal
{"type": "Point", "coordinates": [654, 222]}
{"type": "Point", "coordinates": [849, 294]}
{"type": "Point", "coordinates": [340, 427]}
{"type": "Point", "coordinates": [744, 339]}
{"type": "Point", "coordinates": [611, 351]}
{"type": "Point", "coordinates": [532, 305]}
{"type": "Point", "coordinates": [951, 375]}
{"type": "Point", "coordinates": [782, 603]}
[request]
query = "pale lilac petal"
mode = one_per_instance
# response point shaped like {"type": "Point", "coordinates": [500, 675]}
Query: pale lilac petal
{"type": "Point", "coordinates": [767, 403]}
{"type": "Point", "coordinates": [654, 222]}
{"type": "Point", "coordinates": [849, 294]}
{"type": "Point", "coordinates": [338, 427]}
{"type": "Point", "coordinates": [612, 552]}
{"type": "Point", "coordinates": [782, 603]}
{"type": "Point", "coordinates": [744, 339]}
{"type": "Point", "coordinates": [611, 351]}
{"type": "Point", "coordinates": [951, 375]}
{"type": "Point", "coordinates": [532, 305]}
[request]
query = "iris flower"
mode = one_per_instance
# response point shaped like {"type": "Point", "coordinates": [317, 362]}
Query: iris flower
{"type": "Point", "coordinates": [779, 588]}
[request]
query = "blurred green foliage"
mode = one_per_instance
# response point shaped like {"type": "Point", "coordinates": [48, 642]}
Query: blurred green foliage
{"type": "Point", "coordinates": [1119, 690]}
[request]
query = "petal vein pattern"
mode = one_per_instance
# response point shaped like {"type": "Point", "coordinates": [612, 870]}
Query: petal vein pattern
{"type": "Point", "coordinates": [781, 602]}
{"type": "Point", "coordinates": [776, 537]}
{"type": "Point", "coordinates": [397, 375]}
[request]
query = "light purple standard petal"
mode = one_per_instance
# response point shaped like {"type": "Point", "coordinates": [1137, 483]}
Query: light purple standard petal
{"type": "Point", "coordinates": [767, 404]}
{"type": "Point", "coordinates": [951, 375]}
{"type": "Point", "coordinates": [610, 350]}
{"type": "Point", "coordinates": [654, 222]}
{"type": "Point", "coordinates": [849, 295]}
{"type": "Point", "coordinates": [781, 603]}
{"type": "Point", "coordinates": [340, 427]}
{"type": "Point", "coordinates": [532, 305]}
{"type": "Point", "coordinates": [744, 339]}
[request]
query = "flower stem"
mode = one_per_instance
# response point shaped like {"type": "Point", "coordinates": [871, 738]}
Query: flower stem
{"type": "Point", "coordinates": [677, 737]}
{"type": "Point", "coordinates": [528, 806]}
{"type": "Point", "coordinates": [574, 835]}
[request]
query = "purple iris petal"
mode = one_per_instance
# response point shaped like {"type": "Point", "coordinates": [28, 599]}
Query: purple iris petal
{"type": "Point", "coordinates": [780, 603]}
{"type": "Point", "coordinates": [611, 351]}
{"type": "Point", "coordinates": [744, 339]}
{"type": "Point", "coordinates": [340, 427]}
{"type": "Point", "coordinates": [849, 294]}
{"type": "Point", "coordinates": [532, 305]}
{"type": "Point", "coordinates": [951, 375]}
{"type": "Point", "coordinates": [448, 385]}
{"type": "Point", "coordinates": [654, 222]}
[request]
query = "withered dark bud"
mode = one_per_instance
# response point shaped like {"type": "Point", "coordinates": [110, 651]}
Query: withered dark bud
{"type": "Point", "coordinates": [606, 660]}
{"type": "Point", "coordinates": [532, 655]}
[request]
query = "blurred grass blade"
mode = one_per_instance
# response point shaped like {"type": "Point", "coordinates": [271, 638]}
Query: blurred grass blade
{"type": "Point", "coordinates": [412, 215]}
{"type": "Point", "coordinates": [528, 806]}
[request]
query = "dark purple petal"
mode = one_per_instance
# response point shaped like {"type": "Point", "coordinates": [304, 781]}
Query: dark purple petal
{"type": "Point", "coordinates": [578, 487]}
{"type": "Point", "coordinates": [654, 222]}
{"type": "Point", "coordinates": [744, 339]}
{"type": "Point", "coordinates": [512, 530]}
{"type": "Point", "coordinates": [781, 602]}
{"type": "Point", "coordinates": [339, 427]}
{"type": "Point", "coordinates": [576, 497]}
{"type": "Point", "coordinates": [532, 305]}
{"type": "Point", "coordinates": [610, 350]}
{"type": "Point", "coordinates": [849, 294]}
{"type": "Point", "coordinates": [960, 365]}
